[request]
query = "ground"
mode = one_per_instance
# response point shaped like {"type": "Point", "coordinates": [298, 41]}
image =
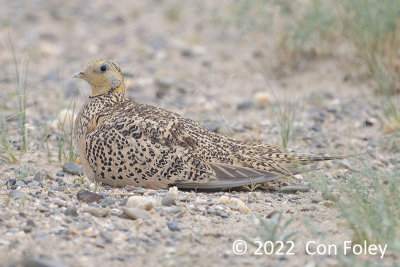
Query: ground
{"type": "Point", "coordinates": [176, 56]}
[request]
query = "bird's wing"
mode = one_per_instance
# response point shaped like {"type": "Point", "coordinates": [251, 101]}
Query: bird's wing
{"type": "Point", "coordinates": [161, 152]}
{"type": "Point", "coordinates": [228, 176]}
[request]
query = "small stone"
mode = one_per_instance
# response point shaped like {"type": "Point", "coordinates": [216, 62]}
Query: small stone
{"type": "Point", "coordinates": [140, 202]}
{"type": "Point", "coordinates": [168, 201]}
{"type": "Point", "coordinates": [16, 194]}
{"type": "Point", "coordinates": [71, 211]}
{"type": "Point", "coordinates": [172, 210]}
{"type": "Point", "coordinates": [63, 196]}
{"type": "Point", "coordinates": [234, 203]}
{"type": "Point", "coordinates": [116, 212]}
{"type": "Point", "coordinates": [42, 262]}
{"type": "Point", "coordinates": [221, 214]}
{"type": "Point", "coordinates": [164, 83]}
{"type": "Point", "coordinates": [173, 192]}
{"type": "Point", "coordinates": [136, 213]}
{"type": "Point", "coordinates": [10, 183]}
{"type": "Point", "coordinates": [60, 174]}
{"type": "Point", "coordinates": [173, 226]}
{"type": "Point", "coordinates": [308, 208]}
{"type": "Point", "coordinates": [261, 98]}
{"type": "Point", "coordinates": [88, 197]}
{"type": "Point", "coordinates": [315, 200]}
{"type": "Point", "coordinates": [123, 201]}
{"type": "Point", "coordinates": [369, 122]}
{"type": "Point", "coordinates": [245, 105]}
{"type": "Point", "coordinates": [39, 176]}
{"type": "Point", "coordinates": [60, 203]}
{"type": "Point", "coordinates": [27, 229]}
{"type": "Point", "coordinates": [107, 202]}
{"type": "Point", "coordinates": [20, 183]}
{"type": "Point", "coordinates": [30, 223]}
{"type": "Point", "coordinates": [99, 212]}
{"type": "Point", "coordinates": [251, 197]}
{"type": "Point", "coordinates": [58, 188]}
{"type": "Point", "coordinates": [72, 168]}
{"type": "Point", "coordinates": [34, 184]}
{"type": "Point", "coordinates": [211, 211]}
{"type": "Point", "coordinates": [291, 189]}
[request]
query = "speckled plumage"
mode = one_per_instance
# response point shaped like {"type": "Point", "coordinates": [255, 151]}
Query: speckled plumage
{"type": "Point", "coordinates": [122, 142]}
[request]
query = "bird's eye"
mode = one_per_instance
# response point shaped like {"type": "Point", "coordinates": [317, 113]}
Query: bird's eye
{"type": "Point", "coordinates": [103, 68]}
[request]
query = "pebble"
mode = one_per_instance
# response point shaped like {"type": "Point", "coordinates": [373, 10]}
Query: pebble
{"type": "Point", "coordinates": [20, 183]}
{"type": "Point", "coordinates": [168, 201]}
{"type": "Point", "coordinates": [211, 211]}
{"type": "Point", "coordinates": [123, 201]}
{"type": "Point", "coordinates": [234, 203]}
{"type": "Point", "coordinates": [60, 174]}
{"type": "Point", "coordinates": [140, 202]}
{"type": "Point", "coordinates": [34, 184]}
{"type": "Point", "coordinates": [71, 211]}
{"type": "Point", "coordinates": [308, 208]}
{"type": "Point", "coordinates": [72, 168]}
{"type": "Point", "coordinates": [99, 212]}
{"type": "Point", "coordinates": [291, 189]}
{"type": "Point", "coordinates": [245, 105]}
{"type": "Point", "coordinates": [164, 83]}
{"type": "Point", "coordinates": [57, 188]}
{"type": "Point", "coordinates": [63, 196]}
{"type": "Point", "coordinates": [60, 203]}
{"type": "Point", "coordinates": [107, 202]}
{"type": "Point", "coordinates": [16, 194]}
{"type": "Point", "coordinates": [172, 210]}
{"type": "Point", "coordinates": [88, 197]}
{"type": "Point", "coordinates": [10, 183]}
{"type": "Point", "coordinates": [174, 226]}
{"type": "Point", "coordinates": [316, 199]}
{"type": "Point", "coordinates": [116, 212]}
{"type": "Point", "coordinates": [136, 213]}
{"type": "Point", "coordinates": [39, 176]}
{"type": "Point", "coordinates": [221, 214]}
{"type": "Point", "coordinates": [27, 228]}
{"type": "Point", "coordinates": [173, 192]}
{"type": "Point", "coordinates": [261, 98]}
{"type": "Point", "coordinates": [251, 197]}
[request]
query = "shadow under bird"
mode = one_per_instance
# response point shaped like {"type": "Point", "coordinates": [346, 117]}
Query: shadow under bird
{"type": "Point", "coordinates": [122, 142]}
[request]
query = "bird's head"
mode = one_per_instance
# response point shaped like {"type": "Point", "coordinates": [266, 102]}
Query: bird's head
{"type": "Point", "coordinates": [103, 76]}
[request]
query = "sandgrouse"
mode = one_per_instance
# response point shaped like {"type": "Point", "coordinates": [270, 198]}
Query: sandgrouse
{"type": "Point", "coordinates": [122, 142]}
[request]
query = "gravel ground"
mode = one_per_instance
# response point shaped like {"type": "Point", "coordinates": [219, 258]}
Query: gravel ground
{"type": "Point", "coordinates": [174, 56]}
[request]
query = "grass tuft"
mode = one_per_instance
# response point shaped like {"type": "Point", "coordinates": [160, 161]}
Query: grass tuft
{"type": "Point", "coordinates": [21, 81]}
{"type": "Point", "coordinates": [270, 229]}
{"type": "Point", "coordinates": [369, 202]}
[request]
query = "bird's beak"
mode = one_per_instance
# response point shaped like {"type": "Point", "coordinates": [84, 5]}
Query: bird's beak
{"type": "Point", "coordinates": [78, 75]}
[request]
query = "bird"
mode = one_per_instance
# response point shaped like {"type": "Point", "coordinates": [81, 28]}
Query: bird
{"type": "Point", "coordinates": [122, 142]}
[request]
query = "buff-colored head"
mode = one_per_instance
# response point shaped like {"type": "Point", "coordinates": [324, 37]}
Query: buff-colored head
{"type": "Point", "coordinates": [103, 76]}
